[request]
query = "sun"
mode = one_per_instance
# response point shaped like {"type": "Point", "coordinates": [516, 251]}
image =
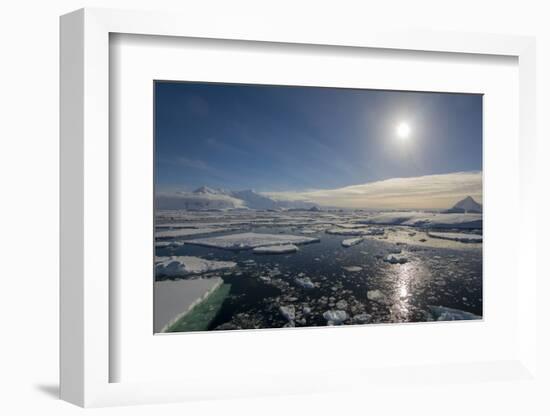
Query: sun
{"type": "Point", "coordinates": [403, 130]}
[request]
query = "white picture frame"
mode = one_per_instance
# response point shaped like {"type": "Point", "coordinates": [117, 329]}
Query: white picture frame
{"type": "Point", "coordinates": [86, 356]}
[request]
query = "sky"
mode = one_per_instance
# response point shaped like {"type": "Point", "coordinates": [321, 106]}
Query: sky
{"type": "Point", "coordinates": [319, 143]}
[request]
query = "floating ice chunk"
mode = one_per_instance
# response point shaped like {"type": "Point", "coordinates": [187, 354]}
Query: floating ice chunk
{"type": "Point", "coordinates": [376, 296]}
{"type": "Point", "coordinates": [335, 317]}
{"type": "Point", "coordinates": [347, 231]}
{"type": "Point", "coordinates": [352, 241]}
{"type": "Point", "coordinates": [361, 318]}
{"type": "Point", "coordinates": [352, 268]}
{"type": "Point", "coordinates": [282, 249]}
{"type": "Point", "coordinates": [183, 265]}
{"type": "Point", "coordinates": [375, 231]}
{"type": "Point", "coordinates": [288, 312]}
{"type": "Point", "coordinates": [305, 282]}
{"type": "Point", "coordinates": [164, 244]}
{"type": "Point", "coordinates": [308, 231]}
{"type": "Point", "coordinates": [393, 259]}
{"type": "Point", "coordinates": [245, 241]}
{"type": "Point", "coordinates": [461, 237]}
{"type": "Point", "coordinates": [342, 304]}
{"type": "Point", "coordinates": [442, 313]}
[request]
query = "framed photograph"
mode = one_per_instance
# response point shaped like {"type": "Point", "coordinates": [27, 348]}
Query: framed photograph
{"type": "Point", "coordinates": [288, 206]}
{"type": "Point", "coordinates": [272, 212]}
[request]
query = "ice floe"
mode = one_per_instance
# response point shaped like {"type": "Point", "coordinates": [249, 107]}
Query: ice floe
{"type": "Point", "coordinates": [461, 237]}
{"type": "Point", "coordinates": [281, 249]}
{"type": "Point", "coordinates": [304, 282]}
{"type": "Point", "coordinates": [288, 312]}
{"type": "Point", "coordinates": [361, 318]}
{"type": "Point", "coordinates": [426, 219]}
{"type": "Point", "coordinates": [352, 241]}
{"type": "Point", "coordinates": [245, 241]}
{"type": "Point", "coordinates": [164, 244]}
{"type": "Point", "coordinates": [174, 299]}
{"type": "Point", "coordinates": [352, 268]}
{"type": "Point", "coordinates": [335, 317]}
{"type": "Point", "coordinates": [376, 296]}
{"type": "Point", "coordinates": [174, 266]}
{"type": "Point", "coordinates": [393, 259]}
{"type": "Point", "coordinates": [441, 313]}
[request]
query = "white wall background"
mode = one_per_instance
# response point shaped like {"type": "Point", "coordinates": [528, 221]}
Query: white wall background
{"type": "Point", "coordinates": [29, 205]}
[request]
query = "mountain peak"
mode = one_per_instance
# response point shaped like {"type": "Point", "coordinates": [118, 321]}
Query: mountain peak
{"type": "Point", "coordinates": [207, 190]}
{"type": "Point", "coordinates": [467, 205]}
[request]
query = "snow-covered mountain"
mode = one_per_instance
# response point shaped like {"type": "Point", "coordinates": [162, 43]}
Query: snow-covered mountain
{"type": "Point", "coordinates": [467, 205]}
{"type": "Point", "coordinates": [206, 198]}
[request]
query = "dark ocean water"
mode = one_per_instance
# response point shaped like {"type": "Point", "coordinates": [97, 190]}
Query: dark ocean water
{"type": "Point", "coordinates": [407, 292]}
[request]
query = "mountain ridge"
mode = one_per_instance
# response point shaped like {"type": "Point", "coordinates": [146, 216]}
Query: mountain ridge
{"type": "Point", "coordinates": [209, 198]}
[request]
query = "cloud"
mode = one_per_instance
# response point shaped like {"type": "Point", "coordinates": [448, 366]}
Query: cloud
{"type": "Point", "coordinates": [194, 163]}
{"type": "Point", "coordinates": [422, 192]}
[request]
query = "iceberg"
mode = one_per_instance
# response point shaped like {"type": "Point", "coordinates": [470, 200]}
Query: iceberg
{"type": "Point", "coordinates": [352, 241]}
{"type": "Point", "coordinates": [246, 241]}
{"type": "Point", "coordinates": [461, 237]}
{"type": "Point", "coordinates": [282, 249]}
{"type": "Point", "coordinates": [335, 317]}
{"type": "Point", "coordinates": [177, 266]}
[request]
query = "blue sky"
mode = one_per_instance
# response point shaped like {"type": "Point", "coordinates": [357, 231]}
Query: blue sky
{"type": "Point", "coordinates": [293, 139]}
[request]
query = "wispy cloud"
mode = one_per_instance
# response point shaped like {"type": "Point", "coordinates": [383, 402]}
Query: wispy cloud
{"type": "Point", "coordinates": [422, 192]}
{"type": "Point", "coordinates": [194, 163]}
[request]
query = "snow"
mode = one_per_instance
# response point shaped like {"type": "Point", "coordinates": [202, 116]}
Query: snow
{"type": "Point", "coordinates": [335, 317]}
{"type": "Point", "coordinates": [174, 299]}
{"type": "Point", "coordinates": [393, 259]}
{"type": "Point", "coordinates": [282, 249]}
{"type": "Point", "coordinates": [352, 241]}
{"type": "Point", "coordinates": [245, 241]}
{"type": "Point", "coordinates": [174, 266]}
{"type": "Point", "coordinates": [304, 282]}
{"type": "Point", "coordinates": [426, 219]}
{"type": "Point", "coordinates": [461, 237]}
{"type": "Point", "coordinates": [442, 313]}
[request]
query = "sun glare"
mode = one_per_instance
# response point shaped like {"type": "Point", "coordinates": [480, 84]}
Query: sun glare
{"type": "Point", "coordinates": [403, 130]}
